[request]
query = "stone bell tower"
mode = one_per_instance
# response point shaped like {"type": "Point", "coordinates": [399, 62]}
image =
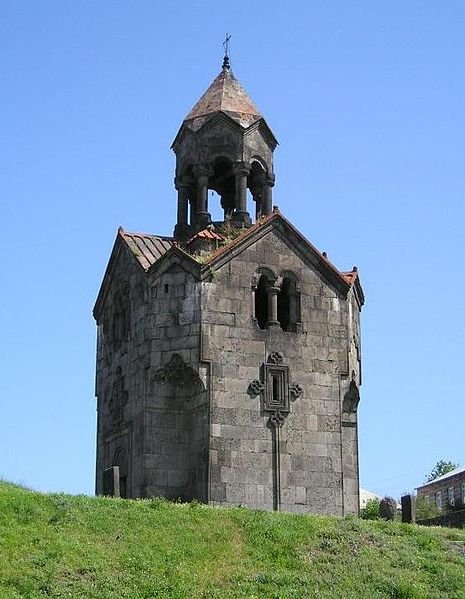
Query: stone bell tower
{"type": "Point", "coordinates": [225, 145]}
{"type": "Point", "coordinates": [228, 355]}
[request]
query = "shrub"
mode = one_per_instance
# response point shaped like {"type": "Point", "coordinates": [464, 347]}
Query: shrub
{"type": "Point", "coordinates": [371, 509]}
{"type": "Point", "coordinates": [425, 509]}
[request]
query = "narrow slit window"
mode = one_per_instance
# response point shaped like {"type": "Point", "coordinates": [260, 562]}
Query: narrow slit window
{"type": "Point", "coordinates": [275, 390]}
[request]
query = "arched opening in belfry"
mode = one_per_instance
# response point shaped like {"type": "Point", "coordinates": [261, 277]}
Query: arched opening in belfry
{"type": "Point", "coordinates": [189, 178]}
{"type": "Point", "coordinates": [223, 182]}
{"type": "Point", "coordinates": [261, 301]}
{"type": "Point", "coordinates": [289, 303]}
{"type": "Point", "coordinates": [256, 185]}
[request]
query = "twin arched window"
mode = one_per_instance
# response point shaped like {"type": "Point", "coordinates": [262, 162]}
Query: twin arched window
{"type": "Point", "coordinates": [276, 300]}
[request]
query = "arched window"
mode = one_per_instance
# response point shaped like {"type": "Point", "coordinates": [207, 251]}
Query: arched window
{"type": "Point", "coordinates": [256, 184]}
{"type": "Point", "coordinates": [289, 303]}
{"type": "Point", "coordinates": [261, 301]}
{"type": "Point", "coordinates": [224, 183]}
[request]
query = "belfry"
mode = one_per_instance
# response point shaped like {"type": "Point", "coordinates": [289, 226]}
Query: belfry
{"type": "Point", "coordinates": [228, 355]}
{"type": "Point", "coordinates": [225, 145]}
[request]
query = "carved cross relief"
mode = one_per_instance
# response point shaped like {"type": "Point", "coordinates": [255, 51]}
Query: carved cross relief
{"type": "Point", "coordinates": [276, 394]}
{"type": "Point", "coordinates": [274, 389]}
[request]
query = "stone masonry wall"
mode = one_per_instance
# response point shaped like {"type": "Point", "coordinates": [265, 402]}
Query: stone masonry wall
{"type": "Point", "coordinates": [120, 375]}
{"type": "Point", "coordinates": [175, 429]}
{"type": "Point", "coordinates": [312, 446]}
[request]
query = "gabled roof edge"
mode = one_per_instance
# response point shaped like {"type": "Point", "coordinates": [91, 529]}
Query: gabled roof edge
{"type": "Point", "coordinates": [118, 246]}
{"type": "Point", "coordinates": [176, 250]}
{"type": "Point", "coordinates": [321, 263]}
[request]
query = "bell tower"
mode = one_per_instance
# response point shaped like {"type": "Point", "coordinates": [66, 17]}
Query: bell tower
{"type": "Point", "coordinates": [228, 355]}
{"type": "Point", "coordinates": [224, 144]}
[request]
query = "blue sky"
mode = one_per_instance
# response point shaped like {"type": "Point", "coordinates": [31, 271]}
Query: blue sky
{"type": "Point", "coordinates": [367, 101]}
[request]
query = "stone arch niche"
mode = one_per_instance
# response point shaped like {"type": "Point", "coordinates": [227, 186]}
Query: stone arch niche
{"type": "Point", "coordinates": [223, 181]}
{"type": "Point", "coordinates": [177, 419]}
{"type": "Point", "coordinates": [260, 185]}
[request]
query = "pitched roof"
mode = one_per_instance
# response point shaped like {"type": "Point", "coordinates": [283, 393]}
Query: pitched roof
{"type": "Point", "coordinates": [344, 280]}
{"type": "Point", "coordinates": [149, 249]}
{"type": "Point", "coordinates": [450, 474]}
{"type": "Point", "coordinates": [146, 248]}
{"type": "Point", "coordinates": [226, 95]}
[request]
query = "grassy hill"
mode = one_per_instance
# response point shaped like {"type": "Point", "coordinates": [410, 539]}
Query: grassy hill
{"type": "Point", "coordinates": [66, 546]}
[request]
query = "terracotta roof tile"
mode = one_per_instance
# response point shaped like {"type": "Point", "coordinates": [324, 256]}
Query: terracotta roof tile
{"type": "Point", "coordinates": [226, 95]}
{"type": "Point", "coordinates": [146, 248]}
{"type": "Point", "coordinates": [350, 276]}
{"type": "Point", "coordinates": [207, 234]}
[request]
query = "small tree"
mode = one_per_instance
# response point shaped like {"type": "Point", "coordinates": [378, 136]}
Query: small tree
{"type": "Point", "coordinates": [440, 468]}
{"type": "Point", "coordinates": [371, 509]}
{"type": "Point", "coordinates": [425, 509]}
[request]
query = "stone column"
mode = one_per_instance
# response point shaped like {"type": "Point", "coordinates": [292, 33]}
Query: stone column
{"type": "Point", "coordinates": [267, 207]}
{"type": "Point", "coordinates": [273, 307]}
{"type": "Point", "coordinates": [202, 216]}
{"type": "Point", "coordinates": [183, 199]}
{"type": "Point", "coordinates": [258, 195]}
{"type": "Point", "coordinates": [240, 214]}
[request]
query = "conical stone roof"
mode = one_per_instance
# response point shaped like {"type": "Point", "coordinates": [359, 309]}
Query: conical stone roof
{"type": "Point", "coordinates": [225, 95]}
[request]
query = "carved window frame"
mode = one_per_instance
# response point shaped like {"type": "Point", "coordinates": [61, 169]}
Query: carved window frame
{"type": "Point", "coordinates": [276, 397]}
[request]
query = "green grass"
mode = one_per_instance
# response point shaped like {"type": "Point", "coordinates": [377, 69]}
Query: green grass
{"type": "Point", "coordinates": [65, 546]}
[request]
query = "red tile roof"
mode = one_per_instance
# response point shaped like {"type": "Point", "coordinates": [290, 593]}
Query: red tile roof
{"type": "Point", "coordinates": [351, 276]}
{"type": "Point", "coordinates": [146, 248]}
{"type": "Point", "coordinates": [207, 234]}
{"type": "Point", "coordinates": [226, 95]}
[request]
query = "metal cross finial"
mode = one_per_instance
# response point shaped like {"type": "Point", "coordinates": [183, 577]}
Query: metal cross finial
{"type": "Point", "coordinates": [226, 64]}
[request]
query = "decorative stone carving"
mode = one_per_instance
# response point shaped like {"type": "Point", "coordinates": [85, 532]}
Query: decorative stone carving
{"type": "Point", "coordinates": [296, 391]}
{"type": "Point", "coordinates": [274, 388]}
{"type": "Point", "coordinates": [276, 395]}
{"type": "Point", "coordinates": [275, 358]}
{"type": "Point", "coordinates": [277, 419]}
{"type": "Point", "coordinates": [177, 372]}
{"type": "Point", "coordinates": [255, 388]}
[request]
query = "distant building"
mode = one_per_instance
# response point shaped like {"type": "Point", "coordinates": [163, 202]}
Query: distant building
{"type": "Point", "coordinates": [366, 496]}
{"type": "Point", "coordinates": [228, 355]}
{"type": "Point", "coordinates": [446, 491]}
